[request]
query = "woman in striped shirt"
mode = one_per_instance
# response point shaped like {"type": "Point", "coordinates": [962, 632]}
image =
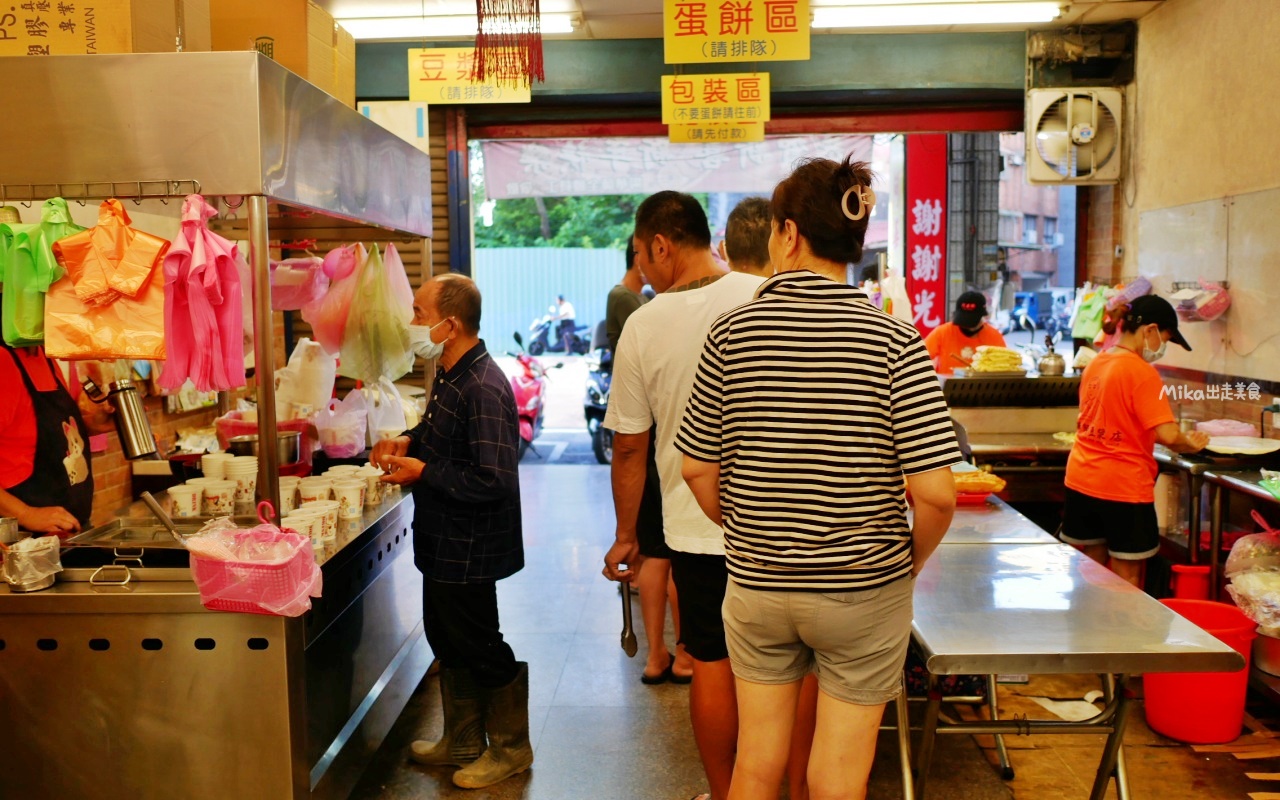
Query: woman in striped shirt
{"type": "Point", "coordinates": [809, 407]}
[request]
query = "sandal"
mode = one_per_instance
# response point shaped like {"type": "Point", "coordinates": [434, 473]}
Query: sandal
{"type": "Point", "coordinates": [661, 677]}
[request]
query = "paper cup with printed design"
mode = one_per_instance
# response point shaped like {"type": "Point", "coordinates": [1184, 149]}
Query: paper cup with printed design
{"type": "Point", "coordinates": [219, 498]}
{"type": "Point", "coordinates": [329, 510]}
{"type": "Point", "coordinates": [312, 490]}
{"type": "Point", "coordinates": [186, 500]}
{"type": "Point", "coordinates": [350, 497]}
{"type": "Point", "coordinates": [372, 485]}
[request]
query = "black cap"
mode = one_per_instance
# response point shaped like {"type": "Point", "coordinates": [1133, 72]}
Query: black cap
{"type": "Point", "coordinates": [971, 307]}
{"type": "Point", "coordinates": [1152, 308]}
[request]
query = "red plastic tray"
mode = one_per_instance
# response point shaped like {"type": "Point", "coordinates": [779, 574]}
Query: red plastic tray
{"type": "Point", "coordinates": [972, 498]}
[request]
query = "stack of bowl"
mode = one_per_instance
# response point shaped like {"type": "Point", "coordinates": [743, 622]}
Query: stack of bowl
{"type": "Point", "coordinates": [244, 471]}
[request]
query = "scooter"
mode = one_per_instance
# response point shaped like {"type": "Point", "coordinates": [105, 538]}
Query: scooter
{"type": "Point", "coordinates": [530, 388]}
{"type": "Point", "coordinates": [596, 402]}
{"type": "Point", "coordinates": [544, 336]}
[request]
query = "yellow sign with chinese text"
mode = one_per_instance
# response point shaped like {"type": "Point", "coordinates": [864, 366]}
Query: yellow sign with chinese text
{"type": "Point", "coordinates": [716, 132]}
{"type": "Point", "coordinates": [442, 76]}
{"type": "Point", "coordinates": [738, 97]}
{"type": "Point", "coordinates": [710, 31]}
{"type": "Point", "coordinates": [53, 28]}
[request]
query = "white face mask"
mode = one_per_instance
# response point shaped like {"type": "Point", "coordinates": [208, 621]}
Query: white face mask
{"type": "Point", "coordinates": [420, 341]}
{"type": "Point", "coordinates": [1152, 356]}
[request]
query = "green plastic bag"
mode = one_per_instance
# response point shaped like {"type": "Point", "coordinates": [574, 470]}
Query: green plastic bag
{"type": "Point", "coordinates": [375, 343]}
{"type": "Point", "coordinates": [28, 269]}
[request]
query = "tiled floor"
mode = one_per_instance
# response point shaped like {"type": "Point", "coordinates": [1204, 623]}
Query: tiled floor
{"type": "Point", "coordinates": [599, 733]}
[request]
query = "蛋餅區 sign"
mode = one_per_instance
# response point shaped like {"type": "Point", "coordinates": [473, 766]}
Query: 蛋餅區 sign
{"type": "Point", "coordinates": [705, 31]}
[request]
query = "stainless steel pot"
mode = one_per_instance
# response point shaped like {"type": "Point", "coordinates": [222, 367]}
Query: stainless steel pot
{"type": "Point", "coordinates": [288, 446]}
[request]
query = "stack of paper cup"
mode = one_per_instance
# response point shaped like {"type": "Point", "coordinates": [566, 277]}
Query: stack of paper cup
{"type": "Point", "coordinates": [372, 485]}
{"type": "Point", "coordinates": [350, 497]}
{"type": "Point", "coordinates": [342, 471]}
{"type": "Point", "coordinates": [288, 493]}
{"type": "Point", "coordinates": [219, 497]}
{"type": "Point", "coordinates": [244, 471]}
{"type": "Point", "coordinates": [186, 500]}
{"type": "Point", "coordinates": [313, 489]}
{"type": "Point", "coordinates": [214, 465]}
{"type": "Point", "coordinates": [328, 509]}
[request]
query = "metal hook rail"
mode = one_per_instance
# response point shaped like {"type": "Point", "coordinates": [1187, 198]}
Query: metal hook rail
{"type": "Point", "coordinates": [98, 190]}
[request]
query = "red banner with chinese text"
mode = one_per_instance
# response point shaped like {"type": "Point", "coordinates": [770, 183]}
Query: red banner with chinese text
{"type": "Point", "coordinates": [926, 235]}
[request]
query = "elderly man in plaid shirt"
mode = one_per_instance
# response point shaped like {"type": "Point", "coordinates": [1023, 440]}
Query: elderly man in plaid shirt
{"type": "Point", "coordinates": [462, 462]}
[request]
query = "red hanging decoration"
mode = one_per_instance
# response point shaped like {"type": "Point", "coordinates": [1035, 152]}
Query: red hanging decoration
{"type": "Point", "coordinates": [509, 43]}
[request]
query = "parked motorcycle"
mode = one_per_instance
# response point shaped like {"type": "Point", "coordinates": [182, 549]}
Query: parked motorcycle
{"type": "Point", "coordinates": [596, 402]}
{"type": "Point", "coordinates": [530, 388]}
{"type": "Point", "coordinates": [544, 336]}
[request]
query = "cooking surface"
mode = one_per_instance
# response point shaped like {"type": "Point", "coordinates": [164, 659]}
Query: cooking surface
{"type": "Point", "coordinates": [1020, 444]}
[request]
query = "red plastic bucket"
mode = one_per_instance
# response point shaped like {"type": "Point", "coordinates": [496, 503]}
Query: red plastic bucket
{"type": "Point", "coordinates": [1203, 707]}
{"type": "Point", "coordinates": [1190, 582]}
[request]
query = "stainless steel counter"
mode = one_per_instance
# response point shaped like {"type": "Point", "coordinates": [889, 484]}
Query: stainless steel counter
{"type": "Point", "coordinates": [138, 691]}
{"type": "Point", "coordinates": [994, 523]}
{"type": "Point", "coordinates": [993, 445]}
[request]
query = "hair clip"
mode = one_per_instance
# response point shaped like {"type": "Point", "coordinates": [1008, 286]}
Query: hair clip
{"type": "Point", "coordinates": [866, 201]}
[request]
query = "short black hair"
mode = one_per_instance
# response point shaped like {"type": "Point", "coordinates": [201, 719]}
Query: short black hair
{"type": "Point", "coordinates": [870, 272]}
{"type": "Point", "coordinates": [631, 253]}
{"type": "Point", "coordinates": [675, 215]}
{"type": "Point", "coordinates": [458, 296]}
{"type": "Point", "coordinates": [746, 234]}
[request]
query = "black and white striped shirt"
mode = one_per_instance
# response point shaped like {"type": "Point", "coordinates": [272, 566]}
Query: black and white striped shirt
{"type": "Point", "coordinates": [815, 404]}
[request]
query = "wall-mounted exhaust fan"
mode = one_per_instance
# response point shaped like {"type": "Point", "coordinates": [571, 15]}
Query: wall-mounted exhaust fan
{"type": "Point", "coordinates": [1073, 136]}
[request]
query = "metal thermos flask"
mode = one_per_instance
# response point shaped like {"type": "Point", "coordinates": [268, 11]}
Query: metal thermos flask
{"type": "Point", "coordinates": [131, 418]}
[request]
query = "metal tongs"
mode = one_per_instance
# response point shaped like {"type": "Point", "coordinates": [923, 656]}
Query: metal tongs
{"type": "Point", "coordinates": [628, 633]}
{"type": "Point", "coordinates": [154, 505]}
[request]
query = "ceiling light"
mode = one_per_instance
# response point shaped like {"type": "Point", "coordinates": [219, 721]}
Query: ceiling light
{"type": "Point", "coordinates": [373, 29]}
{"type": "Point", "coordinates": [876, 15]}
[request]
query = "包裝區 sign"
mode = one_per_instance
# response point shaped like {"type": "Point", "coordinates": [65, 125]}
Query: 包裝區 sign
{"type": "Point", "coordinates": [442, 76]}
{"type": "Point", "coordinates": [705, 31]}
{"type": "Point", "coordinates": [717, 132]}
{"type": "Point", "coordinates": [689, 99]}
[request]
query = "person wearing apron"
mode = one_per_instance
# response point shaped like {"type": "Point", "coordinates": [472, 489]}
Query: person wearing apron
{"type": "Point", "coordinates": [56, 496]}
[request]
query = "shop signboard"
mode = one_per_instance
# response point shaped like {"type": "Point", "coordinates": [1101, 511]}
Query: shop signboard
{"type": "Point", "coordinates": [716, 132]}
{"type": "Point", "coordinates": [926, 234]}
{"type": "Point", "coordinates": [710, 31]}
{"type": "Point", "coordinates": [736, 97]}
{"type": "Point", "coordinates": [404, 118]}
{"type": "Point", "coordinates": [442, 76]}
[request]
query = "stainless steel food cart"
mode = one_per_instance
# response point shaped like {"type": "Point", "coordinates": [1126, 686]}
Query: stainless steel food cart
{"type": "Point", "coordinates": [118, 683]}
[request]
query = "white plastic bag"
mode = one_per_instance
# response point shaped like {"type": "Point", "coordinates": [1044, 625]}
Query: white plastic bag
{"type": "Point", "coordinates": [386, 411]}
{"type": "Point", "coordinates": [30, 561]}
{"type": "Point", "coordinates": [341, 426]}
{"type": "Point", "coordinates": [306, 384]}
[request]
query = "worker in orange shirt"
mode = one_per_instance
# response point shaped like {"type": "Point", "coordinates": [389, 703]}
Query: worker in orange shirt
{"type": "Point", "coordinates": [953, 344]}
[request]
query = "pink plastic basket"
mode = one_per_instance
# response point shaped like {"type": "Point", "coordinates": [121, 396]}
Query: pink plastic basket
{"type": "Point", "coordinates": [280, 588]}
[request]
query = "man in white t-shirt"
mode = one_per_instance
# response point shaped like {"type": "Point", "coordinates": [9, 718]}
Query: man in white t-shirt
{"type": "Point", "coordinates": [653, 371]}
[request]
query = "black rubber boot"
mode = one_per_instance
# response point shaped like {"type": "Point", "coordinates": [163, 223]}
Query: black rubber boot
{"type": "Point", "coordinates": [507, 724]}
{"type": "Point", "coordinates": [463, 739]}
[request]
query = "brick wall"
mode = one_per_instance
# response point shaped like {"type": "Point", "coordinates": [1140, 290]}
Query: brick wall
{"type": "Point", "coordinates": [1106, 231]}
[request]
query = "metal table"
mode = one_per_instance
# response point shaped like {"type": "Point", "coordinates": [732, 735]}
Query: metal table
{"type": "Point", "coordinates": [993, 445]}
{"type": "Point", "coordinates": [1047, 609]}
{"type": "Point", "coordinates": [994, 523]}
{"type": "Point", "coordinates": [1221, 484]}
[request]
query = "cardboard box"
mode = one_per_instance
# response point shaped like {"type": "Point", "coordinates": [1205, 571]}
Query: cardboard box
{"type": "Point", "coordinates": [345, 66]}
{"type": "Point", "coordinates": [105, 26]}
{"type": "Point", "coordinates": [296, 33]}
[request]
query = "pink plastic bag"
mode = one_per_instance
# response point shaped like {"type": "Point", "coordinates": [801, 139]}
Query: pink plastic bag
{"type": "Point", "coordinates": [264, 570]}
{"type": "Point", "coordinates": [327, 315]}
{"type": "Point", "coordinates": [296, 282]}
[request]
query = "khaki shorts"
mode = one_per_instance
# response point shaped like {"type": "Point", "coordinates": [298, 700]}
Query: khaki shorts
{"type": "Point", "coordinates": [856, 641]}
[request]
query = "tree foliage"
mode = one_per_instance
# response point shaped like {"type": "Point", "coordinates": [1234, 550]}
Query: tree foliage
{"type": "Point", "coordinates": [600, 221]}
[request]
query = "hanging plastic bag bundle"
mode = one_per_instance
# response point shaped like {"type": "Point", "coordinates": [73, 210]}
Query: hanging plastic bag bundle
{"type": "Point", "coordinates": [204, 308]}
{"type": "Point", "coordinates": [111, 302]}
{"type": "Point", "coordinates": [341, 426]}
{"type": "Point", "coordinates": [376, 342]}
{"type": "Point", "coordinates": [327, 315]}
{"type": "Point", "coordinates": [28, 268]}
{"type": "Point", "coordinates": [296, 282]}
{"type": "Point", "coordinates": [306, 384]}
